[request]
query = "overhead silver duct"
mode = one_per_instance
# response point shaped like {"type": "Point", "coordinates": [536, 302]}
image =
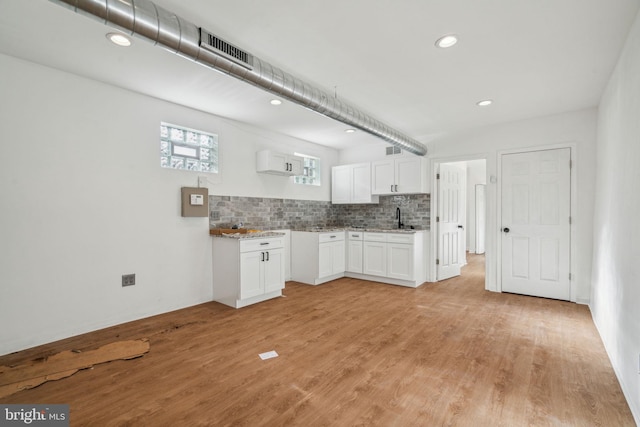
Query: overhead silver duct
{"type": "Point", "coordinates": [145, 19]}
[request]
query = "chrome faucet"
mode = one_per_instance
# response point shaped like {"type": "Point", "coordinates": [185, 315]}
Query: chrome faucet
{"type": "Point", "coordinates": [400, 224]}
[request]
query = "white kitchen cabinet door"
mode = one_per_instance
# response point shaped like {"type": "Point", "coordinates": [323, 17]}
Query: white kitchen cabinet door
{"type": "Point", "coordinates": [409, 175]}
{"type": "Point", "coordinates": [272, 162]}
{"type": "Point", "coordinates": [273, 270]}
{"type": "Point", "coordinates": [341, 184]}
{"type": "Point", "coordinates": [325, 259]}
{"type": "Point", "coordinates": [251, 283]}
{"type": "Point", "coordinates": [375, 258]}
{"type": "Point", "coordinates": [361, 184]}
{"type": "Point", "coordinates": [338, 264]}
{"type": "Point", "coordinates": [354, 256]}
{"type": "Point", "coordinates": [296, 165]}
{"type": "Point", "coordinates": [382, 177]}
{"type": "Point", "coordinates": [400, 261]}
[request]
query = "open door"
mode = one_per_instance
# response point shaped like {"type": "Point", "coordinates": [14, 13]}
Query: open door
{"type": "Point", "coordinates": [450, 220]}
{"type": "Point", "coordinates": [480, 217]}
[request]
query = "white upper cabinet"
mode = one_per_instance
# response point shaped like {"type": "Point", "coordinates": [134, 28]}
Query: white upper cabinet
{"type": "Point", "coordinates": [352, 184]}
{"type": "Point", "coordinates": [272, 162]}
{"type": "Point", "coordinates": [404, 175]}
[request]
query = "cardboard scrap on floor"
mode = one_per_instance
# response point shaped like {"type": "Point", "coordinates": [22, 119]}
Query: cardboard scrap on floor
{"type": "Point", "coordinates": [66, 363]}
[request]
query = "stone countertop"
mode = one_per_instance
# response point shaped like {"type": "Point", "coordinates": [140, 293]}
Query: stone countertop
{"type": "Point", "coordinates": [370, 230]}
{"type": "Point", "coordinates": [243, 236]}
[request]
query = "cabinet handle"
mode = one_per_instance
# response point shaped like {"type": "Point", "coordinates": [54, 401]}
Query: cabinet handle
{"type": "Point", "coordinates": [264, 243]}
{"type": "Point", "coordinates": [392, 188]}
{"type": "Point", "coordinates": [262, 255]}
{"type": "Point", "coordinates": [267, 256]}
{"type": "Point", "coordinates": [332, 237]}
{"type": "Point", "coordinates": [396, 188]}
{"type": "Point", "coordinates": [355, 235]}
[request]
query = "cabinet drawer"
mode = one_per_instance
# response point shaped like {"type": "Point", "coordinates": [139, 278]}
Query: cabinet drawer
{"type": "Point", "coordinates": [331, 237]}
{"type": "Point", "coordinates": [248, 245]}
{"type": "Point", "coordinates": [400, 238]}
{"type": "Point", "coordinates": [375, 237]}
{"type": "Point", "coordinates": [355, 235]}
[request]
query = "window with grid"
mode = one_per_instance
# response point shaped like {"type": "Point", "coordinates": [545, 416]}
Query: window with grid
{"type": "Point", "coordinates": [188, 149]}
{"type": "Point", "coordinates": [310, 171]}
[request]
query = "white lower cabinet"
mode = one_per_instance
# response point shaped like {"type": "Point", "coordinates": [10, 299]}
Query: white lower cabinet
{"type": "Point", "coordinates": [247, 271]}
{"type": "Point", "coordinates": [395, 258]}
{"type": "Point", "coordinates": [354, 251]}
{"type": "Point", "coordinates": [317, 257]}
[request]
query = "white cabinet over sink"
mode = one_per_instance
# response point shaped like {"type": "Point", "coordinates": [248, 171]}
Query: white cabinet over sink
{"type": "Point", "coordinates": [317, 257]}
{"type": "Point", "coordinates": [275, 163]}
{"type": "Point", "coordinates": [402, 175]}
{"type": "Point", "coordinates": [247, 271]}
{"type": "Point", "coordinates": [352, 184]}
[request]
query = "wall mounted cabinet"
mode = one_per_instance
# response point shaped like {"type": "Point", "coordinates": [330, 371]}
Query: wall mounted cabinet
{"type": "Point", "coordinates": [275, 163]}
{"type": "Point", "coordinates": [352, 184]}
{"type": "Point", "coordinates": [403, 175]}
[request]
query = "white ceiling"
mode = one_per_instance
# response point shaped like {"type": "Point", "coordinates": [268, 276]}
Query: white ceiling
{"type": "Point", "coordinates": [532, 57]}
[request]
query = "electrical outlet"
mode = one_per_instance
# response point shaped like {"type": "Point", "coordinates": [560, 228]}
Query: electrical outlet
{"type": "Point", "coordinates": [128, 279]}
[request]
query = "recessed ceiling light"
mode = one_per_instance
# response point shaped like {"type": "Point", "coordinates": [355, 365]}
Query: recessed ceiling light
{"type": "Point", "coordinates": [275, 102]}
{"type": "Point", "coordinates": [484, 103]}
{"type": "Point", "coordinates": [447, 41]}
{"type": "Point", "coordinates": [119, 39]}
{"type": "Point", "coordinates": [350, 130]}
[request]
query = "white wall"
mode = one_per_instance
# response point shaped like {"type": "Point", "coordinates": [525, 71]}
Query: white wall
{"type": "Point", "coordinates": [84, 200]}
{"type": "Point", "coordinates": [476, 174]}
{"type": "Point", "coordinates": [576, 128]}
{"type": "Point", "coordinates": [615, 300]}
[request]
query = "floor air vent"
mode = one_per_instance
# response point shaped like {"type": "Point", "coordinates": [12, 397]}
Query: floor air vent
{"type": "Point", "coordinates": [217, 45]}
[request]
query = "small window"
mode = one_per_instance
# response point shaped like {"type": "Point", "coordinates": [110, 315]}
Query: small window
{"type": "Point", "coordinates": [189, 149]}
{"type": "Point", "coordinates": [310, 171]}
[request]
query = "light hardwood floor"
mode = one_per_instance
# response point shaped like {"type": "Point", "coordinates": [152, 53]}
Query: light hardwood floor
{"type": "Point", "coordinates": [351, 353]}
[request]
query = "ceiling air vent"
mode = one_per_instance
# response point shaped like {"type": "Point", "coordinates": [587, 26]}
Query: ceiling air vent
{"type": "Point", "coordinates": [217, 45]}
{"type": "Point", "coordinates": [393, 150]}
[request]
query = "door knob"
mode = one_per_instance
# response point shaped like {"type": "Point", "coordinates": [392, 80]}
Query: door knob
{"type": "Point", "coordinates": [506, 229]}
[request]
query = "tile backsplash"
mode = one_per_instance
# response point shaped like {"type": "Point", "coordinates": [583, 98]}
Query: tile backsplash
{"type": "Point", "coordinates": [265, 213]}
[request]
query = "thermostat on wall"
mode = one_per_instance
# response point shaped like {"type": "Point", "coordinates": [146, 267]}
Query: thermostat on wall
{"type": "Point", "coordinates": [197, 200]}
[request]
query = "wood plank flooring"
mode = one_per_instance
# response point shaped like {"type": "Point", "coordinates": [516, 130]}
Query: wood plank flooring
{"type": "Point", "coordinates": [351, 353]}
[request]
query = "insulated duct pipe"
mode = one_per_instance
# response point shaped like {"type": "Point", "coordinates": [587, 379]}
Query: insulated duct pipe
{"type": "Point", "coordinates": [145, 19]}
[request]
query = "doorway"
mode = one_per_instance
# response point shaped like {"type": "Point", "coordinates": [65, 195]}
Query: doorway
{"type": "Point", "coordinates": [459, 216]}
{"type": "Point", "coordinates": [536, 223]}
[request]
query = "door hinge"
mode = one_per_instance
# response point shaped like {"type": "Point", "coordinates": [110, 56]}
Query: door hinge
{"type": "Point", "coordinates": [437, 176]}
{"type": "Point", "coordinates": [570, 163]}
{"type": "Point", "coordinates": [437, 219]}
{"type": "Point", "coordinates": [569, 219]}
{"type": "Point", "coordinates": [437, 261]}
{"type": "Point", "coordinates": [569, 276]}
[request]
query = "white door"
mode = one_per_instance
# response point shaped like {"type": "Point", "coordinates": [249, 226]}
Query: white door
{"type": "Point", "coordinates": [382, 177]}
{"type": "Point", "coordinates": [536, 232]}
{"type": "Point", "coordinates": [338, 262]}
{"type": "Point", "coordinates": [325, 259]}
{"type": "Point", "coordinates": [400, 261]}
{"type": "Point", "coordinates": [480, 217]}
{"type": "Point", "coordinates": [408, 175]}
{"type": "Point", "coordinates": [375, 258]}
{"type": "Point", "coordinates": [354, 256]}
{"type": "Point", "coordinates": [251, 271]}
{"type": "Point", "coordinates": [273, 273]}
{"type": "Point", "coordinates": [341, 184]}
{"type": "Point", "coordinates": [451, 206]}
